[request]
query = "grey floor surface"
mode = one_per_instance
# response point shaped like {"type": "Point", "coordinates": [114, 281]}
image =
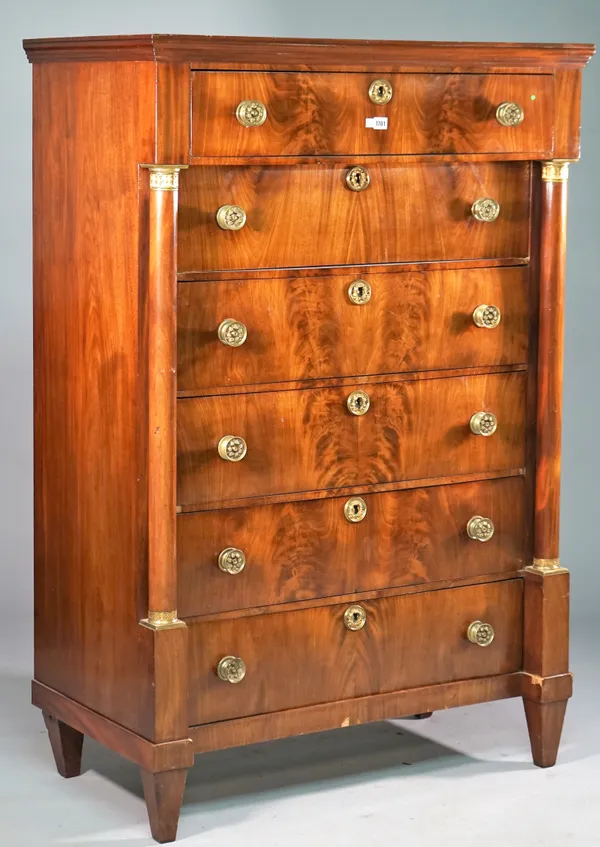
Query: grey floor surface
{"type": "Point", "coordinates": [462, 778]}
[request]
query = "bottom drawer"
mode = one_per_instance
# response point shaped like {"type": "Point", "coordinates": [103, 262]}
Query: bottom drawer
{"type": "Point", "coordinates": [298, 658]}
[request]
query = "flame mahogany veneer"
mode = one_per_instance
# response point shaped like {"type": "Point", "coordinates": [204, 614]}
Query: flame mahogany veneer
{"type": "Point", "coordinates": [350, 567]}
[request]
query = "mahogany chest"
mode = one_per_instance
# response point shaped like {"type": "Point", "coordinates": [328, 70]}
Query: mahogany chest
{"type": "Point", "coordinates": [298, 358]}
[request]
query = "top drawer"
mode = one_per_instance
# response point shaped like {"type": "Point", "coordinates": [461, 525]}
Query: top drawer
{"type": "Point", "coordinates": [328, 113]}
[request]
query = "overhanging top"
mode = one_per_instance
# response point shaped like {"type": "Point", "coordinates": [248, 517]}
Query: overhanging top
{"type": "Point", "coordinates": [205, 51]}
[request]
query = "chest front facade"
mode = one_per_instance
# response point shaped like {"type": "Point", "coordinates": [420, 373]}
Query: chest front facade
{"type": "Point", "coordinates": [298, 368]}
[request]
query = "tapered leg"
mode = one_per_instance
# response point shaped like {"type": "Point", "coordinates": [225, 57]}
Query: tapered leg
{"type": "Point", "coordinates": [67, 744]}
{"type": "Point", "coordinates": [164, 795]}
{"type": "Point", "coordinates": [545, 723]}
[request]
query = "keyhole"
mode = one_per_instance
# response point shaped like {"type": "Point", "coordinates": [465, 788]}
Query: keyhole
{"type": "Point", "coordinates": [361, 291]}
{"type": "Point", "coordinates": [358, 402]}
{"type": "Point", "coordinates": [355, 617]}
{"type": "Point", "coordinates": [356, 508]}
{"type": "Point", "coordinates": [380, 91]}
{"type": "Point", "coordinates": [358, 178]}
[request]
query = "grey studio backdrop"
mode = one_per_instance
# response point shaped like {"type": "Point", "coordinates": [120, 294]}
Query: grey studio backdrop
{"type": "Point", "coordinates": [478, 20]}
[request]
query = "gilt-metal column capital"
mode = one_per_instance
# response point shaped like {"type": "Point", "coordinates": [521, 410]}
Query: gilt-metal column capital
{"type": "Point", "coordinates": [164, 177]}
{"type": "Point", "coordinates": [556, 170]}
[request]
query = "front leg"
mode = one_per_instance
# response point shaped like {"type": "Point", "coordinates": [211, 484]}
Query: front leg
{"type": "Point", "coordinates": [164, 794]}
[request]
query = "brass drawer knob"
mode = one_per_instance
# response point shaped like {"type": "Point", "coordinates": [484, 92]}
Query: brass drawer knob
{"type": "Point", "coordinates": [231, 217]}
{"type": "Point", "coordinates": [232, 448]}
{"type": "Point", "coordinates": [485, 210]}
{"type": "Point", "coordinates": [355, 510]}
{"type": "Point", "coordinates": [481, 633]}
{"type": "Point", "coordinates": [357, 179]}
{"type": "Point", "coordinates": [358, 402]}
{"type": "Point", "coordinates": [480, 529]}
{"type": "Point", "coordinates": [232, 560]}
{"type": "Point", "coordinates": [510, 114]}
{"type": "Point", "coordinates": [380, 92]}
{"type": "Point", "coordinates": [251, 113]}
{"type": "Point", "coordinates": [355, 617]}
{"type": "Point", "coordinates": [483, 423]}
{"type": "Point", "coordinates": [232, 333]}
{"type": "Point", "coordinates": [359, 292]}
{"type": "Point", "coordinates": [487, 317]}
{"type": "Point", "coordinates": [231, 669]}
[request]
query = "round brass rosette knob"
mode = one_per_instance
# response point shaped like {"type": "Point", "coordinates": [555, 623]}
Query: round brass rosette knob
{"type": "Point", "coordinates": [355, 510]}
{"type": "Point", "coordinates": [251, 113]}
{"type": "Point", "coordinates": [485, 210]}
{"type": "Point", "coordinates": [232, 333]}
{"type": "Point", "coordinates": [480, 529]}
{"type": "Point", "coordinates": [483, 423]}
{"type": "Point", "coordinates": [357, 179]}
{"type": "Point", "coordinates": [360, 292]}
{"type": "Point", "coordinates": [358, 402]}
{"type": "Point", "coordinates": [231, 217]}
{"type": "Point", "coordinates": [510, 114]}
{"type": "Point", "coordinates": [487, 317]}
{"type": "Point", "coordinates": [232, 560]}
{"type": "Point", "coordinates": [231, 669]}
{"type": "Point", "coordinates": [232, 448]}
{"type": "Point", "coordinates": [380, 92]}
{"type": "Point", "coordinates": [481, 633]}
{"type": "Point", "coordinates": [355, 617]}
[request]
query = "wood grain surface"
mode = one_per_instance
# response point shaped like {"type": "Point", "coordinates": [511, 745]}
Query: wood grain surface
{"type": "Point", "coordinates": [301, 53]}
{"type": "Point", "coordinates": [353, 712]}
{"type": "Point", "coordinates": [298, 658]}
{"type": "Point", "coordinates": [552, 270]}
{"type": "Point", "coordinates": [325, 114]}
{"type": "Point", "coordinates": [301, 551]}
{"type": "Point", "coordinates": [301, 216]}
{"type": "Point", "coordinates": [308, 328]}
{"type": "Point", "coordinates": [300, 440]}
{"type": "Point", "coordinates": [92, 124]}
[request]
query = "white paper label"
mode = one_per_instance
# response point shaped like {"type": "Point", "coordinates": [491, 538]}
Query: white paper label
{"type": "Point", "coordinates": [376, 123]}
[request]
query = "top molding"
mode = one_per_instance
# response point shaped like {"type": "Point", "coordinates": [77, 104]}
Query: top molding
{"type": "Point", "coordinates": [205, 51]}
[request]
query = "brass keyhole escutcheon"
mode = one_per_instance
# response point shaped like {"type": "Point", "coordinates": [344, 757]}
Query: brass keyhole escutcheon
{"type": "Point", "coordinates": [380, 92]}
{"type": "Point", "coordinates": [355, 617]}
{"type": "Point", "coordinates": [357, 179]}
{"type": "Point", "coordinates": [360, 292]}
{"type": "Point", "coordinates": [355, 510]}
{"type": "Point", "coordinates": [358, 403]}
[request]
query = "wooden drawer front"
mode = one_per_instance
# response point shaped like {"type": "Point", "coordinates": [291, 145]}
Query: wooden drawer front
{"type": "Point", "coordinates": [308, 327]}
{"type": "Point", "coordinates": [308, 440]}
{"type": "Point", "coordinates": [325, 113]}
{"type": "Point", "coordinates": [307, 216]}
{"type": "Point", "coordinates": [299, 658]}
{"type": "Point", "coordinates": [299, 551]}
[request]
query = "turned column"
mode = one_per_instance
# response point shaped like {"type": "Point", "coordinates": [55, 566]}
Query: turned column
{"type": "Point", "coordinates": [162, 394]}
{"type": "Point", "coordinates": [547, 682]}
{"type": "Point", "coordinates": [163, 789]}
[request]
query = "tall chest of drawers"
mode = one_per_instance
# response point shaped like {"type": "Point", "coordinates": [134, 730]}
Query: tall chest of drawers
{"type": "Point", "coordinates": [298, 329]}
